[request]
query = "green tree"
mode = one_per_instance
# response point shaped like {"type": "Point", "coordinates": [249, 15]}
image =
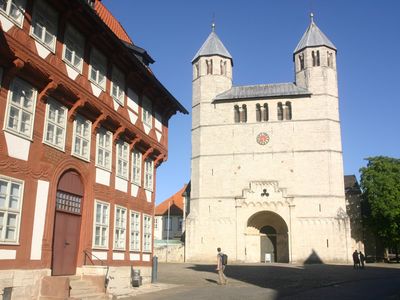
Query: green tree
{"type": "Point", "coordinates": [380, 185]}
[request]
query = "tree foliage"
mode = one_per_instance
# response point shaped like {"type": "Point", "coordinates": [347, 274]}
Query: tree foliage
{"type": "Point", "coordinates": [380, 185]}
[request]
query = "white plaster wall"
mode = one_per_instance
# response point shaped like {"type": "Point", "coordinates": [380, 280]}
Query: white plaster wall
{"type": "Point", "coordinates": [39, 219]}
{"type": "Point", "coordinates": [103, 176]}
{"type": "Point", "coordinates": [121, 184]}
{"type": "Point", "coordinates": [17, 147]}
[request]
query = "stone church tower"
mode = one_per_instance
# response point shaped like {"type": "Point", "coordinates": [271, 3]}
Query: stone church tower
{"type": "Point", "coordinates": [267, 167]}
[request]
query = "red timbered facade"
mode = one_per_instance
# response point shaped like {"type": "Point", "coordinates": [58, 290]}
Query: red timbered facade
{"type": "Point", "coordinates": [84, 128]}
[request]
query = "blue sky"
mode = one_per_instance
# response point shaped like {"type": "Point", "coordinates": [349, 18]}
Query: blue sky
{"type": "Point", "coordinates": [261, 36]}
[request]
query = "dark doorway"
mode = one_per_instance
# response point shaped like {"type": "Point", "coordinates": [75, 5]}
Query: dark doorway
{"type": "Point", "coordinates": [67, 224]}
{"type": "Point", "coordinates": [268, 244]}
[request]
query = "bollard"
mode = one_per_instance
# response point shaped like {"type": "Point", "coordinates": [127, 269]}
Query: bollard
{"type": "Point", "coordinates": [135, 277]}
{"type": "Point", "coordinates": [154, 270]}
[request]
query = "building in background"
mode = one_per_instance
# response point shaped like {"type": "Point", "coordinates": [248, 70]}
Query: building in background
{"type": "Point", "coordinates": [267, 167]}
{"type": "Point", "coordinates": [169, 217]}
{"type": "Point", "coordinates": [84, 128]}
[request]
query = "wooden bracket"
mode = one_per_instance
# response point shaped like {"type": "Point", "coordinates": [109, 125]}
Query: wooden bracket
{"type": "Point", "coordinates": [96, 125]}
{"type": "Point", "coordinates": [147, 153]}
{"type": "Point", "coordinates": [51, 86]}
{"type": "Point", "coordinates": [119, 131]}
{"type": "Point", "coordinates": [134, 142]}
{"type": "Point", "coordinates": [159, 160]}
{"type": "Point", "coordinates": [74, 109]}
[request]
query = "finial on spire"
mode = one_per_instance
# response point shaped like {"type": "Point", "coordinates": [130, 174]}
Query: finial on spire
{"type": "Point", "coordinates": [213, 23]}
{"type": "Point", "coordinates": [312, 17]}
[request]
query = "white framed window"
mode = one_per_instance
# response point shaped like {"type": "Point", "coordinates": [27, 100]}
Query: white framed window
{"type": "Point", "coordinates": [136, 167]}
{"type": "Point", "coordinates": [134, 231]}
{"type": "Point", "coordinates": [101, 224]}
{"type": "Point", "coordinates": [148, 174]}
{"type": "Point", "coordinates": [20, 108]}
{"type": "Point", "coordinates": [44, 24]}
{"type": "Point", "coordinates": [147, 233]}
{"type": "Point", "coordinates": [122, 159]}
{"type": "Point", "coordinates": [13, 10]}
{"type": "Point", "coordinates": [119, 228]}
{"type": "Point", "coordinates": [98, 68]}
{"type": "Point", "coordinates": [11, 194]}
{"type": "Point", "coordinates": [55, 124]}
{"type": "Point", "coordinates": [117, 86]}
{"type": "Point", "coordinates": [146, 112]}
{"type": "Point", "coordinates": [81, 138]}
{"type": "Point", "coordinates": [73, 49]}
{"type": "Point", "coordinates": [104, 149]}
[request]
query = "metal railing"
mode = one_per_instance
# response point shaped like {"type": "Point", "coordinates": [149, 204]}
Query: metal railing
{"type": "Point", "coordinates": [89, 255]}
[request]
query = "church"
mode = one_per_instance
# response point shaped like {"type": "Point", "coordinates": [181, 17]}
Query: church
{"type": "Point", "coordinates": [267, 179]}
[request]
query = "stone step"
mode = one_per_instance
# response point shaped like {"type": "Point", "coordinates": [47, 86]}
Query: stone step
{"type": "Point", "coordinates": [92, 296]}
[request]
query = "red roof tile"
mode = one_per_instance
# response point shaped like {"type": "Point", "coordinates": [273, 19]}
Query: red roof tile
{"type": "Point", "coordinates": [175, 202]}
{"type": "Point", "coordinates": [112, 23]}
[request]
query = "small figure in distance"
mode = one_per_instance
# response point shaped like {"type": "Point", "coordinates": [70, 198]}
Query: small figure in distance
{"type": "Point", "coordinates": [356, 260]}
{"type": "Point", "coordinates": [362, 259]}
{"type": "Point", "coordinates": [220, 268]}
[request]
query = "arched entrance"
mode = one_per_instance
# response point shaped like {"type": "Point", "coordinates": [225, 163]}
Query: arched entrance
{"type": "Point", "coordinates": [268, 236]}
{"type": "Point", "coordinates": [67, 223]}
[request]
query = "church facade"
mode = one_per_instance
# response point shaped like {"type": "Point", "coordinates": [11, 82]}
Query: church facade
{"type": "Point", "coordinates": [267, 166]}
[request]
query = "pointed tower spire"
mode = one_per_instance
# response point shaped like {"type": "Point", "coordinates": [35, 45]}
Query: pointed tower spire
{"type": "Point", "coordinates": [212, 46]}
{"type": "Point", "coordinates": [313, 37]}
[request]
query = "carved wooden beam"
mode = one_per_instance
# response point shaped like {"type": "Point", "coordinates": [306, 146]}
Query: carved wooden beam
{"type": "Point", "coordinates": [119, 131]}
{"type": "Point", "coordinates": [17, 65]}
{"type": "Point", "coordinates": [51, 86]}
{"type": "Point", "coordinates": [134, 142]}
{"type": "Point", "coordinates": [74, 109]}
{"type": "Point", "coordinates": [96, 125]}
{"type": "Point", "coordinates": [148, 152]}
{"type": "Point", "coordinates": [159, 160]}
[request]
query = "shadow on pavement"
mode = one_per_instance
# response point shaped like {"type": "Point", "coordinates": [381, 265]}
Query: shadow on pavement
{"type": "Point", "coordinates": [289, 280]}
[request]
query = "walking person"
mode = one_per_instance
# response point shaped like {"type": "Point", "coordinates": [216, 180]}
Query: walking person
{"type": "Point", "coordinates": [356, 260]}
{"type": "Point", "coordinates": [221, 263]}
{"type": "Point", "coordinates": [362, 259]}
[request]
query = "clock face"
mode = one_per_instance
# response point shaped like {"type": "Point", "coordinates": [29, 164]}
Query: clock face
{"type": "Point", "coordinates": [262, 138]}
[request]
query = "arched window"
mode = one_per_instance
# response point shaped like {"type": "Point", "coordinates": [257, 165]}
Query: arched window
{"type": "Point", "coordinates": [330, 59]}
{"type": "Point", "coordinates": [280, 111]}
{"type": "Point", "coordinates": [301, 61]}
{"type": "Point", "coordinates": [243, 118]}
{"type": "Point", "coordinates": [197, 74]}
{"type": "Point", "coordinates": [258, 112]}
{"type": "Point", "coordinates": [318, 58]}
{"type": "Point", "coordinates": [265, 113]}
{"type": "Point", "coordinates": [288, 110]}
{"type": "Point", "coordinates": [209, 66]}
{"type": "Point", "coordinates": [314, 59]}
{"type": "Point", "coordinates": [236, 114]}
{"type": "Point", "coordinates": [222, 67]}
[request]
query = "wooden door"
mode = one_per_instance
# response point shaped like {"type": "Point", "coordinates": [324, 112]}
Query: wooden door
{"type": "Point", "coordinates": [67, 224]}
{"type": "Point", "coordinates": [66, 243]}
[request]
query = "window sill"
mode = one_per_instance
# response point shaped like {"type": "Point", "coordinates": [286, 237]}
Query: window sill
{"type": "Point", "coordinates": [20, 135]}
{"type": "Point", "coordinates": [79, 70]}
{"type": "Point", "coordinates": [103, 88]}
{"type": "Point", "coordinates": [99, 248]}
{"type": "Point", "coordinates": [117, 100]}
{"type": "Point", "coordinates": [103, 168]}
{"type": "Point", "coordinates": [62, 149]}
{"type": "Point", "coordinates": [81, 157]}
{"type": "Point", "coordinates": [123, 178]}
{"type": "Point", "coordinates": [3, 13]}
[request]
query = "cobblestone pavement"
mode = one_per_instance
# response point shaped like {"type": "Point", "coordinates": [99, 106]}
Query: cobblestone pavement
{"type": "Point", "coordinates": [278, 281]}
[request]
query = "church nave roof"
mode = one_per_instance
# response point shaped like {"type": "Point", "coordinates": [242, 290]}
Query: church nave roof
{"type": "Point", "coordinates": [271, 90]}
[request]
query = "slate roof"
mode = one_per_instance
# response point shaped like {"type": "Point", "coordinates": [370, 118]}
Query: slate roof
{"type": "Point", "coordinates": [262, 91]}
{"type": "Point", "coordinates": [313, 37]}
{"type": "Point", "coordinates": [212, 46]}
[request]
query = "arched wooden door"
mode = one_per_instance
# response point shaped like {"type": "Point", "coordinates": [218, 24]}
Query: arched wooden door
{"type": "Point", "coordinates": [67, 224]}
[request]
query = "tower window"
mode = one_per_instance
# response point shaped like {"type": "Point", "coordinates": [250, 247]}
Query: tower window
{"type": "Point", "coordinates": [209, 64]}
{"type": "Point", "coordinates": [288, 110]}
{"type": "Point", "coordinates": [258, 112]}
{"type": "Point", "coordinates": [301, 61]}
{"type": "Point", "coordinates": [243, 114]}
{"type": "Point", "coordinates": [223, 67]}
{"type": "Point", "coordinates": [329, 59]}
{"type": "Point", "coordinates": [236, 114]}
{"type": "Point", "coordinates": [262, 114]}
{"type": "Point", "coordinates": [315, 58]}
{"type": "Point", "coordinates": [197, 71]}
{"type": "Point", "coordinates": [265, 113]}
{"type": "Point", "coordinates": [280, 111]}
